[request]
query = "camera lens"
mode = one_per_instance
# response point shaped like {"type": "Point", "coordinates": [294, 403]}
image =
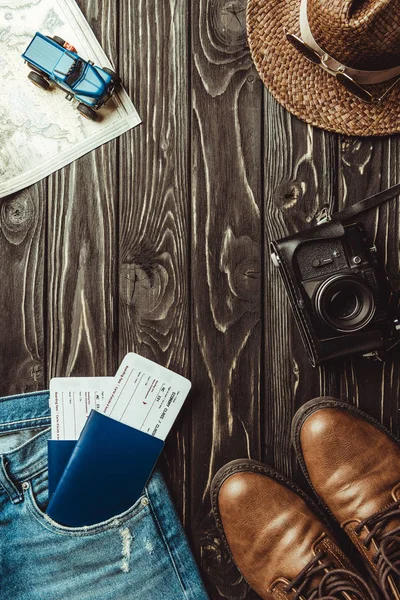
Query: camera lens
{"type": "Point", "coordinates": [345, 303]}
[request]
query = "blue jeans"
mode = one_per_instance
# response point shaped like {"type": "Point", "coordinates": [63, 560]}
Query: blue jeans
{"type": "Point", "coordinates": [141, 554]}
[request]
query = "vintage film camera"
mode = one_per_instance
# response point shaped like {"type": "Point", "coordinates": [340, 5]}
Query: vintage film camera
{"type": "Point", "coordinates": [341, 297]}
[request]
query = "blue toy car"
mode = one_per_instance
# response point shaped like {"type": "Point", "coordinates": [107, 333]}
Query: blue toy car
{"type": "Point", "coordinates": [53, 59]}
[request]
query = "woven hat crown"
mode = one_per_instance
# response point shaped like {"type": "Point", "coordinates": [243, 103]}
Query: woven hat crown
{"type": "Point", "coordinates": [362, 34]}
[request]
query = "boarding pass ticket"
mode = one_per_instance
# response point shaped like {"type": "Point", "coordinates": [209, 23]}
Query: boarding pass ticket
{"type": "Point", "coordinates": [72, 399]}
{"type": "Point", "coordinates": [143, 395]}
{"type": "Point", "coordinates": [146, 396]}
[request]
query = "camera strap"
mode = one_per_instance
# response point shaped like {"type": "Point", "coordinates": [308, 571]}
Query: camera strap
{"type": "Point", "coordinates": [359, 207]}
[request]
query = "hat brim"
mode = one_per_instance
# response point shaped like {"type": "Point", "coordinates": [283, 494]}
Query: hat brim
{"type": "Point", "coordinates": [305, 89]}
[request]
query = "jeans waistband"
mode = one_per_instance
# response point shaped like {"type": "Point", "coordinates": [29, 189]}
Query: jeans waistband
{"type": "Point", "coordinates": [17, 413]}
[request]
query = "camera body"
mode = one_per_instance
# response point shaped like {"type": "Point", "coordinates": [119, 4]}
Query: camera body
{"type": "Point", "coordinates": [341, 297]}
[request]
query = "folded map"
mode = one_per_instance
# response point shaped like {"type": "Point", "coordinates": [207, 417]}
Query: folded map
{"type": "Point", "coordinates": [40, 131]}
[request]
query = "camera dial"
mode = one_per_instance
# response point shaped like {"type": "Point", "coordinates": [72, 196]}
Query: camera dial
{"type": "Point", "coordinates": [345, 303]}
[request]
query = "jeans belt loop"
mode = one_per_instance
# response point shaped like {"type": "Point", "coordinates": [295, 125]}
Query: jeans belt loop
{"type": "Point", "coordinates": [8, 484]}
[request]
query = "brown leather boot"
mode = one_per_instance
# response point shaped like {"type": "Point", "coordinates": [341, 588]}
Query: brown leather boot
{"type": "Point", "coordinates": [276, 539]}
{"type": "Point", "coordinates": [353, 464]}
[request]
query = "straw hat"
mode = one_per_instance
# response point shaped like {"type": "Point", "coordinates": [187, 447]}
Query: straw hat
{"type": "Point", "coordinates": [358, 44]}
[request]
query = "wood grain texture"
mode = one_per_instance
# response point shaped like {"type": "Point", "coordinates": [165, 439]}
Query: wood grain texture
{"type": "Point", "coordinates": [300, 178]}
{"type": "Point", "coordinates": [81, 256]}
{"type": "Point", "coordinates": [22, 218]}
{"type": "Point", "coordinates": [226, 267]}
{"type": "Point", "coordinates": [81, 270]}
{"type": "Point", "coordinates": [159, 243]}
{"type": "Point", "coordinates": [154, 204]}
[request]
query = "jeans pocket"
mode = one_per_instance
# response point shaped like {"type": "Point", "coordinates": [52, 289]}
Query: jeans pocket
{"type": "Point", "coordinates": [36, 497]}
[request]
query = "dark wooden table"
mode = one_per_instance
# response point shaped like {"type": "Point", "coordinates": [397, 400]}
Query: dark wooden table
{"type": "Point", "coordinates": [158, 243]}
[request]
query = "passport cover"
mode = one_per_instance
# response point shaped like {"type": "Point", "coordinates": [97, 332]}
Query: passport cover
{"type": "Point", "coordinates": [59, 452]}
{"type": "Point", "coordinates": [105, 474]}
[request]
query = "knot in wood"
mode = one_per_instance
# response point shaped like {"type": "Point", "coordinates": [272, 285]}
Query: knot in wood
{"type": "Point", "coordinates": [246, 279]}
{"type": "Point", "coordinates": [228, 22]}
{"type": "Point", "coordinates": [17, 217]}
{"type": "Point", "coordinates": [150, 291]}
{"type": "Point", "coordinates": [287, 195]}
{"type": "Point", "coordinates": [212, 551]}
{"type": "Point", "coordinates": [37, 372]}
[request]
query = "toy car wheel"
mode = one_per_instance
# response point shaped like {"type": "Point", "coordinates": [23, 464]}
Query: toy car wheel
{"type": "Point", "coordinates": [58, 40]}
{"type": "Point", "coordinates": [87, 112]}
{"type": "Point", "coordinates": [115, 78]}
{"type": "Point", "coordinates": [36, 69]}
{"type": "Point", "coordinates": [39, 80]}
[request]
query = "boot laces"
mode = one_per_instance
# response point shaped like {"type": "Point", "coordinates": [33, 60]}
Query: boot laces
{"type": "Point", "coordinates": [387, 556]}
{"type": "Point", "coordinates": [333, 583]}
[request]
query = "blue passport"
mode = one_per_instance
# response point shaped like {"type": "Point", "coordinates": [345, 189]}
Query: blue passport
{"type": "Point", "coordinates": [59, 453]}
{"type": "Point", "coordinates": [102, 474]}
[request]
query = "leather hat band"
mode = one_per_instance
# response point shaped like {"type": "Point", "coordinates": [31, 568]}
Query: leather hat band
{"type": "Point", "coordinates": [360, 76]}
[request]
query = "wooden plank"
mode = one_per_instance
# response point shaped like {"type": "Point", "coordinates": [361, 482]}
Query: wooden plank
{"type": "Point", "coordinates": [367, 166]}
{"type": "Point", "coordinates": [82, 246]}
{"type": "Point", "coordinates": [22, 218]}
{"type": "Point", "coordinates": [154, 203]}
{"type": "Point", "coordinates": [226, 268]}
{"type": "Point", "coordinates": [300, 178]}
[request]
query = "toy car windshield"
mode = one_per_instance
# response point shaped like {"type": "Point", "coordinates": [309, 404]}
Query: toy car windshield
{"type": "Point", "coordinates": [76, 72]}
